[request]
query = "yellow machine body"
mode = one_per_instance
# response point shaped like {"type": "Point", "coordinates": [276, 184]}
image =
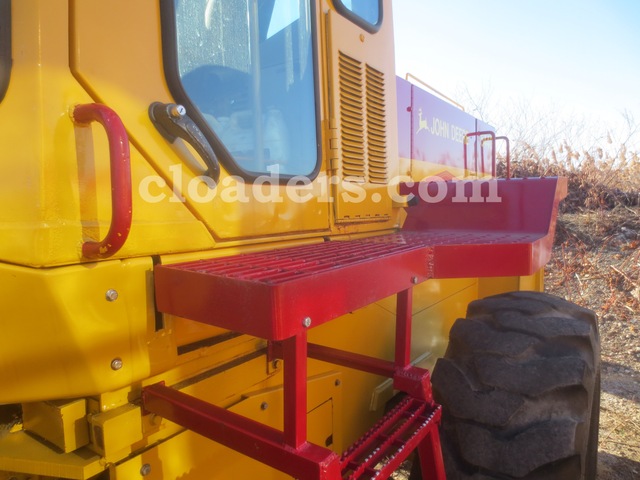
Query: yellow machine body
{"type": "Point", "coordinates": [81, 337]}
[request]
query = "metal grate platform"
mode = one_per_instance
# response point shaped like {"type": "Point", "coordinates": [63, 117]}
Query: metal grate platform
{"type": "Point", "coordinates": [277, 294]}
{"type": "Point", "coordinates": [274, 292]}
{"type": "Point", "coordinates": [276, 267]}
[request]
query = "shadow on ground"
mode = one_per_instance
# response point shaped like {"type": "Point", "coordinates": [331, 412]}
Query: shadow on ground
{"type": "Point", "coordinates": [621, 381]}
{"type": "Point", "coordinates": [612, 467]}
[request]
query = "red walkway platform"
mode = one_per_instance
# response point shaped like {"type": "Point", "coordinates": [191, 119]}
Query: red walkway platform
{"type": "Point", "coordinates": [278, 295]}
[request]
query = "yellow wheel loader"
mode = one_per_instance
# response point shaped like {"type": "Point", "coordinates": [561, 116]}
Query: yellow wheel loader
{"type": "Point", "coordinates": [234, 244]}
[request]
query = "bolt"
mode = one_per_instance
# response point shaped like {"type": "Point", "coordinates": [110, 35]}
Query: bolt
{"type": "Point", "coordinates": [111, 295]}
{"type": "Point", "coordinates": [306, 322]}
{"type": "Point", "coordinates": [414, 280]}
{"type": "Point", "coordinates": [337, 383]}
{"type": "Point", "coordinates": [276, 364]}
{"type": "Point", "coordinates": [177, 111]}
{"type": "Point", "coordinates": [116, 364]}
{"type": "Point", "coordinates": [145, 469]}
{"type": "Point", "coordinates": [264, 406]}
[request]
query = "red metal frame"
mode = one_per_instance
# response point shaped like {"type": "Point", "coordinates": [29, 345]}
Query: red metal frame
{"type": "Point", "coordinates": [284, 286]}
{"type": "Point", "coordinates": [412, 425]}
{"type": "Point", "coordinates": [474, 235]}
{"type": "Point", "coordinates": [248, 437]}
{"type": "Point", "coordinates": [404, 304]}
{"type": "Point", "coordinates": [493, 151]}
{"type": "Point", "coordinates": [447, 239]}
{"type": "Point", "coordinates": [295, 390]}
{"type": "Point", "coordinates": [121, 202]}
{"type": "Point", "coordinates": [508, 157]}
{"type": "Point", "coordinates": [278, 295]}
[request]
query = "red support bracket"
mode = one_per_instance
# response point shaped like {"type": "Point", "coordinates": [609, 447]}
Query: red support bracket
{"type": "Point", "coordinates": [404, 301]}
{"type": "Point", "coordinates": [246, 436]}
{"type": "Point", "coordinates": [410, 425]}
{"type": "Point", "coordinates": [294, 351]}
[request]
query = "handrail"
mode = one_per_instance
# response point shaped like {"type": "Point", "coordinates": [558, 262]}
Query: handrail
{"type": "Point", "coordinates": [449, 99]}
{"type": "Point", "coordinates": [119, 157]}
{"type": "Point", "coordinates": [493, 151]}
{"type": "Point", "coordinates": [506, 140]}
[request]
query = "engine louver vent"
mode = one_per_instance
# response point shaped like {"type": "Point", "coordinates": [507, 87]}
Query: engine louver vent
{"type": "Point", "coordinates": [376, 126]}
{"type": "Point", "coordinates": [362, 122]}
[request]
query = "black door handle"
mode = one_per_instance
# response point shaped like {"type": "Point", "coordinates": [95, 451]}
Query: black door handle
{"type": "Point", "coordinates": [172, 122]}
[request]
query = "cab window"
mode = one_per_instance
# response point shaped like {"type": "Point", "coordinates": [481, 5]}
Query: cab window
{"type": "Point", "coordinates": [366, 13]}
{"type": "Point", "coordinates": [247, 66]}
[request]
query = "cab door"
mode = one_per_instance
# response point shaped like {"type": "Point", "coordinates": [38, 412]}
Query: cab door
{"type": "Point", "coordinates": [262, 116]}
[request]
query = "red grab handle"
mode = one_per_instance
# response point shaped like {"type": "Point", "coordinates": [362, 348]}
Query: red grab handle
{"type": "Point", "coordinates": [121, 203]}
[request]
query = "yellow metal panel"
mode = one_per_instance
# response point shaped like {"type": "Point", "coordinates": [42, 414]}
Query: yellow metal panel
{"type": "Point", "coordinates": [193, 457]}
{"type": "Point", "coordinates": [36, 193]}
{"type": "Point", "coordinates": [20, 452]}
{"type": "Point", "coordinates": [429, 293]}
{"type": "Point", "coordinates": [62, 336]}
{"type": "Point", "coordinates": [223, 388]}
{"type": "Point", "coordinates": [496, 285]}
{"type": "Point", "coordinates": [63, 423]}
{"type": "Point", "coordinates": [216, 374]}
{"type": "Point", "coordinates": [533, 282]}
{"type": "Point", "coordinates": [369, 331]}
{"type": "Point", "coordinates": [54, 178]}
{"type": "Point", "coordinates": [113, 433]}
{"type": "Point", "coordinates": [324, 399]}
{"type": "Point", "coordinates": [431, 326]}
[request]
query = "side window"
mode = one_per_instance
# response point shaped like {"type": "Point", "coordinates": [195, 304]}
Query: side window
{"type": "Point", "coordinates": [248, 68]}
{"type": "Point", "coordinates": [366, 13]}
{"type": "Point", "coordinates": [5, 46]}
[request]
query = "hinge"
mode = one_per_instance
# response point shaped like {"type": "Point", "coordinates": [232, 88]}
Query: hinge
{"type": "Point", "coordinates": [334, 146]}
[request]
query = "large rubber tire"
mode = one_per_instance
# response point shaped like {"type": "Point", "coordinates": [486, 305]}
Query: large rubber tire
{"type": "Point", "coordinates": [520, 389]}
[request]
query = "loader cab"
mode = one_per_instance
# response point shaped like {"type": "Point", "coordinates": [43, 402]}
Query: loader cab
{"type": "Point", "coordinates": [294, 103]}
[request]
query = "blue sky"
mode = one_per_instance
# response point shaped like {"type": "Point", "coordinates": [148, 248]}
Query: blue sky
{"type": "Point", "coordinates": [578, 57]}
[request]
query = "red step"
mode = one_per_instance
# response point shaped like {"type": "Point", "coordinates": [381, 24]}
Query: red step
{"type": "Point", "coordinates": [411, 425]}
{"type": "Point", "coordinates": [270, 294]}
{"type": "Point", "coordinates": [382, 450]}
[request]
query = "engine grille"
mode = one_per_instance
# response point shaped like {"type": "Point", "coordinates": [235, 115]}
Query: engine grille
{"type": "Point", "coordinates": [362, 121]}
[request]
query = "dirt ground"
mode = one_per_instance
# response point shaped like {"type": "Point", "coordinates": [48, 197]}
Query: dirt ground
{"type": "Point", "coordinates": [596, 263]}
